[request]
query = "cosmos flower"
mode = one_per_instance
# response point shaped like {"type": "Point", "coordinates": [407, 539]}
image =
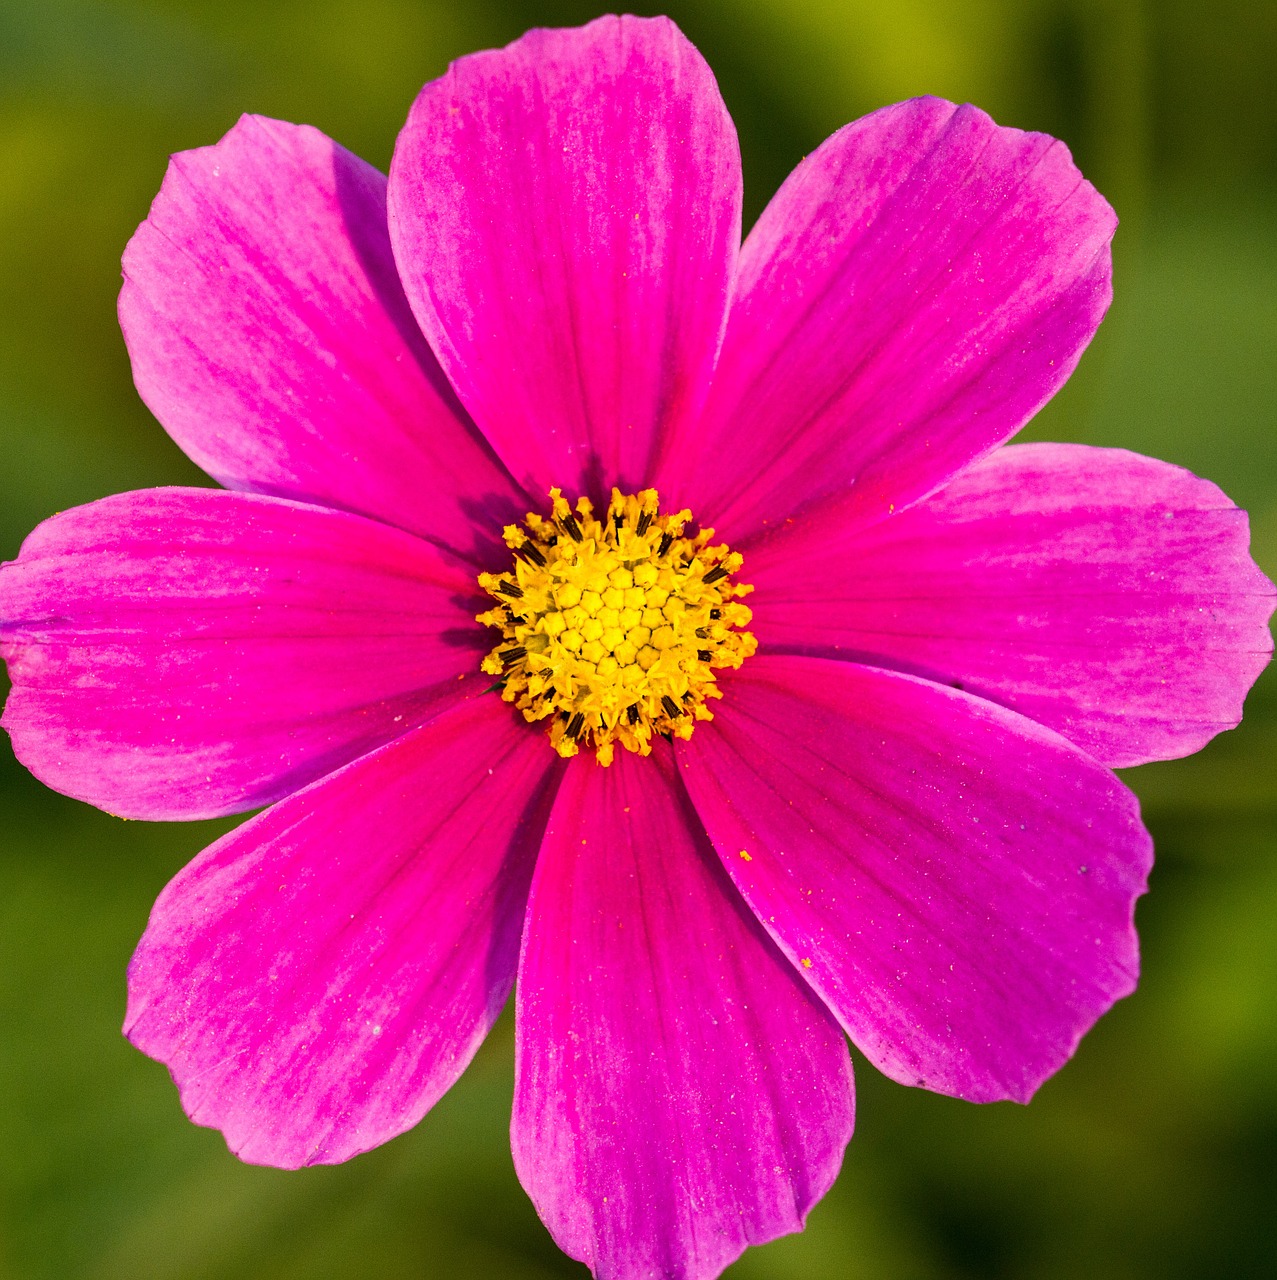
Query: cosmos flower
{"type": "Point", "coordinates": [841, 767]}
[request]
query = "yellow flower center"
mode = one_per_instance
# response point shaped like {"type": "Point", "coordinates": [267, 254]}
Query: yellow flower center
{"type": "Point", "coordinates": [611, 629]}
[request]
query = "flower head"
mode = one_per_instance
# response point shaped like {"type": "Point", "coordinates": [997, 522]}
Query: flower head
{"type": "Point", "coordinates": [712, 839]}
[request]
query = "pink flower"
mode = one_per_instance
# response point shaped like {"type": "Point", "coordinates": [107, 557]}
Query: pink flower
{"type": "Point", "coordinates": [901, 822]}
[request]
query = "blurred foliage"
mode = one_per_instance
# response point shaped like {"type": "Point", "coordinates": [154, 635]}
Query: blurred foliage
{"type": "Point", "coordinates": [1152, 1155]}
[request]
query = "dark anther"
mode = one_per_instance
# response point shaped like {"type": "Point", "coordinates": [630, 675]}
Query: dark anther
{"type": "Point", "coordinates": [529, 552]}
{"type": "Point", "coordinates": [702, 633]}
{"type": "Point", "coordinates": [508, 656]}
{"type": "Point", "coordinates": [509, 589]}
{"type": "Point", "coordinates": [703, 654]}
{"type": "Point", "coordinates": [687, 697]}
{"type": "Point", "coordinates": [645, 523]}
{"type": "Point", "coordinates": [570, 527]}
{"type": "Point", "coordinates": [547, 693]}
{"type": "Point", "coordinates": [671, 707]}
{"type": "Point", "coordinates": [632, 713]}
{"type": "Point", "coordinates": [715, 614]}
{"type": "Point", "coordinates": [576, 724]}
{"type": "Point", "coordinates": [619, 521]}
{"type": "Point", "coordinates": [667, 541]}
{"type": "Point", "coordinates": [714, 574]}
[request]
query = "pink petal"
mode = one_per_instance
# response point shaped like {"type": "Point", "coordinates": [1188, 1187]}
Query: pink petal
{"type": "Point", "coordinates": [566, 218]}
{"type": "Point", "coordinates": [919, 287]}
{"type": "Point", "coordinates": [955, 881]}
{"type": "Point", "coordinates": [317, 979]}
{"type": "Point", "coordinates": [180, 653]}
{"type": "Point", "coordinates": [678, 1093]}
{"type": "Point", "coordinates": [271, 337]}
{"type": "Point", "coordinates": [1108, 596]}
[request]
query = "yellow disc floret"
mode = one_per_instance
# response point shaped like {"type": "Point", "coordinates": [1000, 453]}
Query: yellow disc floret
{"type": "Point", "coordinates": [612, 629]}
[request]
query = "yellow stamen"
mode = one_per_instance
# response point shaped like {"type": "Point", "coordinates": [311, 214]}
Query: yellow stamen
{"type": "Point", "coordinates": [611, 629]}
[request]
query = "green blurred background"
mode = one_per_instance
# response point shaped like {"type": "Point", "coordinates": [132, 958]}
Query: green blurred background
{"type": "Point", "coordinates": [1153, 1153]}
